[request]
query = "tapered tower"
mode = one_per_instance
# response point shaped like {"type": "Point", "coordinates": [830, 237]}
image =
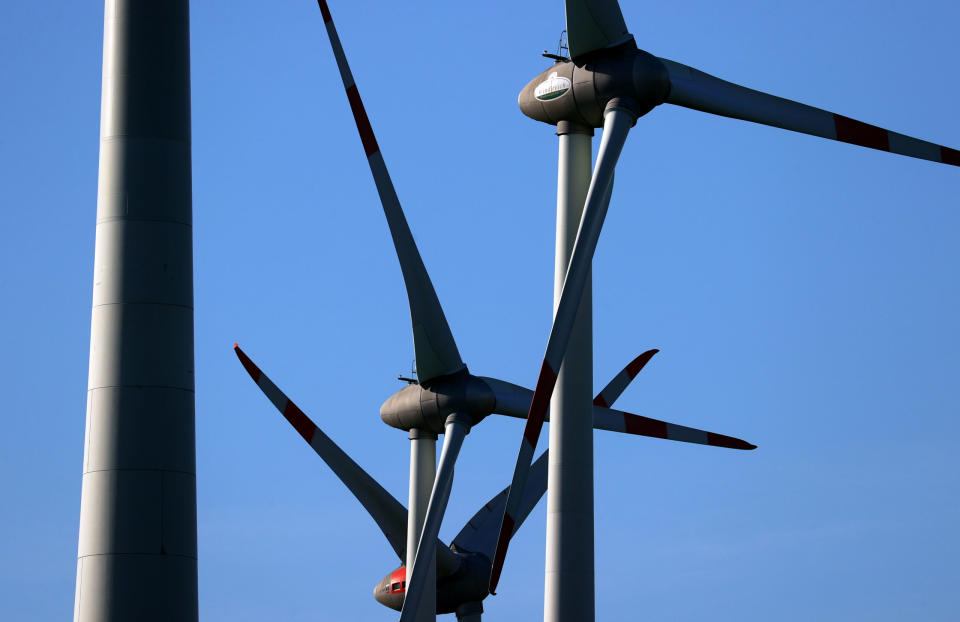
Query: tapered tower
{"type": "Point", "coordinates": [137, 555]}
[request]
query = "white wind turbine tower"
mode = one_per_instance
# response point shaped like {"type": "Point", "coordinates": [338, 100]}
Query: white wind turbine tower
{"type": "Point", "coordinates": [137, 557]}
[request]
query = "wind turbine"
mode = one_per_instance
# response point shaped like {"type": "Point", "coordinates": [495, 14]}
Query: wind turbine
{"type": "Point", "coordinates": [607, 82]}
{"type": "Point", "coordinates": [447, 399]}
{"type": "Point", "coordinates": [464, 566]}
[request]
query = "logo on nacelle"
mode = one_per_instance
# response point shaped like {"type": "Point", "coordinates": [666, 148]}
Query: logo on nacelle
{"type": "Point", "coordinates": [552, 88]}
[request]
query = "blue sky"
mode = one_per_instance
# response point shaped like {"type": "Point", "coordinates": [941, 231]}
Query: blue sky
{"type": "Point", "coordinates": [802, 292]}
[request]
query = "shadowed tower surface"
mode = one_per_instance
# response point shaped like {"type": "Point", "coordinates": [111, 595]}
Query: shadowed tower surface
{"type": "Point", "coordinates": [137, 556]}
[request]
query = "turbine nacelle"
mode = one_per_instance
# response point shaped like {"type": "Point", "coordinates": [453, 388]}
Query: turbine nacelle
{"type": "Point", "coordinates": [467, 587]}
{"type": "Point", "coordinates": [579, 92]}
{"type": "Point", "coordinates": [391, 589]}
{"type": "Point", "coordinates": [426, 408]}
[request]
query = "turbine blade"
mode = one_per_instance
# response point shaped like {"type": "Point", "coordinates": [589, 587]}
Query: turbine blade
{"type": "Point", "coordinates": [479, 535]}
{"type": "Point", "coordinates": [457, 428]}
{"type": "Point", "coordinates": [510, 399]}
{"type": "Point", "coordinates": [627, 423]}
{"type": "Point", "coordinates": [594, 25]}
{"type": "Point", "coordinates": [514, 401]}
{"type": "Point", "coordinates": [386, 511]}
{"type": "Point", "coordinates": [435, 349]}
{"type": "Point", "coordinates": [617, 123]}
{"type": "Point", "coordinates": [695, 89]}
{"type": "Point", "coordinates": [621, 381]}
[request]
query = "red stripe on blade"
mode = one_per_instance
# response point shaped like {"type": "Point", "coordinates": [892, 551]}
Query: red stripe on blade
{"type": "Point", "coordinates": [541, 402]}
{"type": "Point", "coordinates": [363, 123]}
{"type": "Point", "coordinates": [252, 369]}
{"type": "Point", "coordinates": [599, 401]}
{"type": "Point", "coordinates": [300, 422]}
{"type": "Point", "coordinates": [950, 156]}
{"type": "Point", "coordinates": [635, 424]}
{"type": "Point", "coordinates": [860, 133]}
{"type": "Point", "coordinates": [324, 11]}
{"type": "Point", "coordinates": [721, 440]}
{"type": "Point", "coordinates": [637, 364]}
{"type": "Point", "coordinates": [506, 532]}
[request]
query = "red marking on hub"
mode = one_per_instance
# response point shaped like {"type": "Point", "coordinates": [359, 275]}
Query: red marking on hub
{"type": "Point", "coordinates": [300, 422]}
{"type": "Point", "coordinates": [363, 123]}
{"type": "Point", "coordinates": [635, 424]}
{"type": "Point", "coordinates": [860, 133]}
{"type": "Point", "coordinates": [950, 156]}
{"type": "Point", "coordinates": [399, 576]}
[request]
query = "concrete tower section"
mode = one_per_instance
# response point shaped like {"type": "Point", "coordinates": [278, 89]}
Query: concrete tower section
{"type": "Point", "coordinates": [137, 555]}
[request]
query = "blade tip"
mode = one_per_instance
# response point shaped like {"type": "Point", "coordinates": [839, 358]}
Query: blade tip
{"type": "Point", "coordinates": [745, 445]}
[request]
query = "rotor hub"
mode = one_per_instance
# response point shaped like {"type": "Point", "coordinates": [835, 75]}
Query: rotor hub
{"type": "Point", "coordinates": [427, 408]}
{"type": "Point", "coordinates": [580, 92]}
